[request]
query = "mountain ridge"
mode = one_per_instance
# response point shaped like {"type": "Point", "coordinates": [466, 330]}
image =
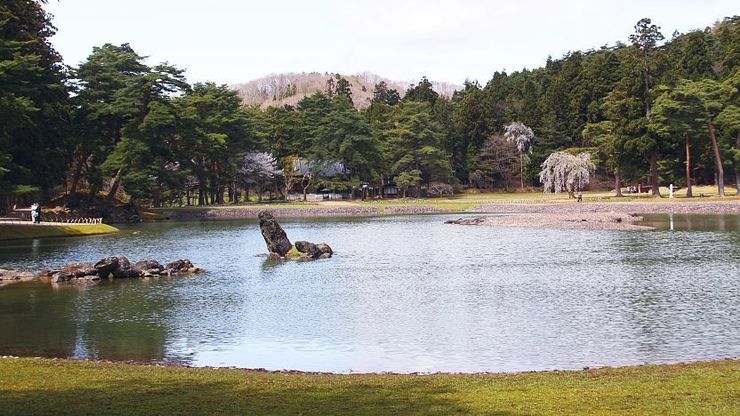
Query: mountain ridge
{"type": "Point", "coordinates": [276, 90]}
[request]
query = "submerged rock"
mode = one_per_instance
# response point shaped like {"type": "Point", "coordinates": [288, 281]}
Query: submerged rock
{"type": "Point", "coordinates": [274, 235]}
{"type": "Point", "coordinates": [75, 271]}
{"type": "Point", "coordinates": [12, 276]}
{"type": "Point", "coordinates": [315, 251]}
{"type": "Point", "coordinates": [180, 267]}
{"type": "Point", "coordinates": [148, 267]}
{"type": "Point", "coordinates": [106, 266]}
{"type": "Point", "coordinates": [467, 221]}
{"type": "Point", "coordinates": [326, 251]}
{"type": "Point", "coordinates": [115, 266]}
{"type": "Point", "coordinates": [125, 270]}
{"type": "Point", "coordinates": [307, 248]}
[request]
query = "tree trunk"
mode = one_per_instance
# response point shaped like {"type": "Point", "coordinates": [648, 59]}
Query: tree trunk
{"type": "Point", "coordinates": [617, 183]}
{"type": "Point", "coordinates": [689, 194]}
{"type": "Point", "coordinates": [717, 161]}
{"type": "Point", "coordinates": [220, 195]}
{"type": "Point", "coordinates": [654, 174]}
{"type": "Point", "coordinates": [308, 185]}
{"type": "Point", "coordinates": [78, 172]}
{"type": "Point", "coordinates": [521, 170]}
{"type": "Point", "coordinates": [114, 186]}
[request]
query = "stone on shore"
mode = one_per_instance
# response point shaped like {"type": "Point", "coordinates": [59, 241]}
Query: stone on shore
{"type": "Point", "coordinates": [274, 235]}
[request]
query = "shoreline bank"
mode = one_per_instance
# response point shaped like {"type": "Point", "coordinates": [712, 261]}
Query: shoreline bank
{"type": "Point", "coordinates": [599, 221]}
{"type": "Point", "coordinates": [658, 207]}
{"type": "Point", "coordinates": [23, 231]}
{"type": "Point", "coordinates": [44, 386]}
{"type": "Point", "coordinates": [731, 207]}
{"type": "Point", "coordinates": [192, 213]}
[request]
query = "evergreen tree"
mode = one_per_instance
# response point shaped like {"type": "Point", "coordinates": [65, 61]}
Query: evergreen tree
{"type": "Point", "coordinates": [34, 104]}
{"type": "Point", "coordinates": [422, 91]}
{"type": "Point", "coordinates": [413, 143]}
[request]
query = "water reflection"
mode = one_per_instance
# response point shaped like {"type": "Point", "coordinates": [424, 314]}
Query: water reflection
{"type": "Point", "coordinates": [402, 294]}
{"type": "Point", "coordinates": [691, 222]}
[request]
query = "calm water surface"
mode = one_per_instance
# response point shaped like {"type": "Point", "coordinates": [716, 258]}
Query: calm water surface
{"type": "Point", "coordinates": [402, 294]}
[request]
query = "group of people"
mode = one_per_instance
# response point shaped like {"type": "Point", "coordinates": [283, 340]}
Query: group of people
{"type": "Point", "coordinates": [36, 213]}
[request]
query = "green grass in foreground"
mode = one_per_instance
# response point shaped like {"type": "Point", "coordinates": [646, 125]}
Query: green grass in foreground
{"type": "Point", "coordinates": [54, 387]}
{"type": "Point", "coordinates": [15, 232]}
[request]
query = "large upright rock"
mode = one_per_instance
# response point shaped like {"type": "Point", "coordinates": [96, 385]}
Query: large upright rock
{"type": "Point", "coordinates": [274, 235]}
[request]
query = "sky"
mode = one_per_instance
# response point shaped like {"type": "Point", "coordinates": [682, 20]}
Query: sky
{"type": "Point", "coordinates": [232, 41]}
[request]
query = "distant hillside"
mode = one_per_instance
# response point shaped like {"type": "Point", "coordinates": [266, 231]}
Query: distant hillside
{"type": "Point", "coordinates": [279, 89]}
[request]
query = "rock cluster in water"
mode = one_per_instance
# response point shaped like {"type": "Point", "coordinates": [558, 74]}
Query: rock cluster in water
{"type": "Point", "coordinates": [279, 245]}
{"type": "Point", "coordinates": [118, 267]}
{"type": "Point", "coordinates": [467, 221]}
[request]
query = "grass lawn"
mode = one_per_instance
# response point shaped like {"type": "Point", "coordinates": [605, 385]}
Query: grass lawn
{"type": "Point", "coordinates": [15, 232]}
{"type": "Point", "coordinates": [55, 387]}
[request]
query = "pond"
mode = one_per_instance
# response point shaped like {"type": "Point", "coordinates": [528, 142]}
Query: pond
{"type": "Point", "coordinates": [402, 294]}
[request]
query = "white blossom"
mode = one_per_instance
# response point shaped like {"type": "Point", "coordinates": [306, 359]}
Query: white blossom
{"type": "Point", "coordinates": [521, 135]}
{"type": "Point", "coordinates": [564, 172]}
{"type": "Point", "coordinates": [259, 168]}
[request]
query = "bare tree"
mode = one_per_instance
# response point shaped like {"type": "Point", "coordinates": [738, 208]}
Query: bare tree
{"type": "Point", "coordinates": [522, 136]}
{"type": "Point", "coordinates": [310, 170]}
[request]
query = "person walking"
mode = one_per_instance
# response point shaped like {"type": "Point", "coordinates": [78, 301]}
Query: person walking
{"type": "Point", "coordinates": [36, 213]}
{"type": "Point", "coordinates": [33, 212]}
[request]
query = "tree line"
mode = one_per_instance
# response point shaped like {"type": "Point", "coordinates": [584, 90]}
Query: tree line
{"type": "Point", "coordinates": [649, 111]}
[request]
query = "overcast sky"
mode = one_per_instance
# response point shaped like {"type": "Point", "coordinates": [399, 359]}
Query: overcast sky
{"type": "Point", "coordinates": [231, 41]}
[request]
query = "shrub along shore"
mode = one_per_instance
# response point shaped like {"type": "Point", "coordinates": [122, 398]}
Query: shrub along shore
{"type": "Point", "coordinates": [56, 386]}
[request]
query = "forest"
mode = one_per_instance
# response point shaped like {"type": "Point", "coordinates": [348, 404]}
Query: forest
{"type": "Point", "coordinates": [648, 110]}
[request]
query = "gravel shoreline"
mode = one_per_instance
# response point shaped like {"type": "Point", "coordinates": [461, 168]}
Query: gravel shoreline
{"type": "Point", "coordinates": [728, 207]}
{"type": "Point", "coordinates": [724, 207]}
{"type": "Point", "coordinates": [287, 212]}
{"type": "Point", "coordinates": [612, 221]}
